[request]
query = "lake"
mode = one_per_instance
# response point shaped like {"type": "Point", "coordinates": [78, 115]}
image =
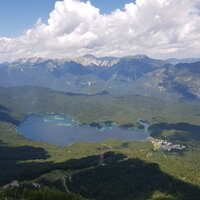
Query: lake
{"type": "Point", "coordinates": [64, 130]}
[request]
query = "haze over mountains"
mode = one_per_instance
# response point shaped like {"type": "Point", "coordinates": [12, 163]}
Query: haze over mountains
{"type": "Point", "coordinates": [138, 74]}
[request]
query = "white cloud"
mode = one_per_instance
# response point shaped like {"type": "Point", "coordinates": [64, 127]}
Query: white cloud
{"type": "Point", "coordinates": [159, 28]}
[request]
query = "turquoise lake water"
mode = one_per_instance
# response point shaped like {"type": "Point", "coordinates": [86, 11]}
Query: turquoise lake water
{"type": "Point", "coordinates": [64, 130]}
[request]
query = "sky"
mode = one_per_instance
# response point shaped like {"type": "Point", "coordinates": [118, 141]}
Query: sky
{"type": "Point", "coordinates": [16, 16]}
{"type": "Point", "coordinates": [70, 28]}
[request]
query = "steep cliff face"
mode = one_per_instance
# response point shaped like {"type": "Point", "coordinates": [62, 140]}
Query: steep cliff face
{"type": "Point", "coordinates": [91, 61]}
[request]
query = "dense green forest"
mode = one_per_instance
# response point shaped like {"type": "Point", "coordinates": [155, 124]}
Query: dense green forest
{"type": "Point", "coordinates": [132, 170]}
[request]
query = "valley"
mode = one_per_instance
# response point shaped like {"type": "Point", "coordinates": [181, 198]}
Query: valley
{"type": "Point", "coordinates": [46, 162]}
{"type": "Point", "coordinates": [100, 100]}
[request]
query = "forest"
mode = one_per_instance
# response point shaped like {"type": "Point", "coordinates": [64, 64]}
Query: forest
{"type": "Point", "coordinates": [130, 170]}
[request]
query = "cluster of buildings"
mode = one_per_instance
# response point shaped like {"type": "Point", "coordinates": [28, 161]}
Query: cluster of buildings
{"type": "Point", "coordinates": [165, 145]}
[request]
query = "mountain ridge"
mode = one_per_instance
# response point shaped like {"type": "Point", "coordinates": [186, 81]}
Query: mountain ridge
{"type": "Point", "coordinates": [137, 74]}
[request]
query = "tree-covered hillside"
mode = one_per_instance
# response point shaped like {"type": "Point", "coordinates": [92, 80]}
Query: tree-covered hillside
{"type": "Point", "coordinates": [132, 170]}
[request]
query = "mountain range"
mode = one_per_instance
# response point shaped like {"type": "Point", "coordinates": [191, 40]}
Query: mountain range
{"type": "Point", "coordinates": [170, 79]}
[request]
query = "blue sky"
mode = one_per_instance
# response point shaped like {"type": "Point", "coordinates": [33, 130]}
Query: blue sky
{"type": "Point", "coordinates": [107, 6]}
{"type": "Point", "coordinates": [16, 16]}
